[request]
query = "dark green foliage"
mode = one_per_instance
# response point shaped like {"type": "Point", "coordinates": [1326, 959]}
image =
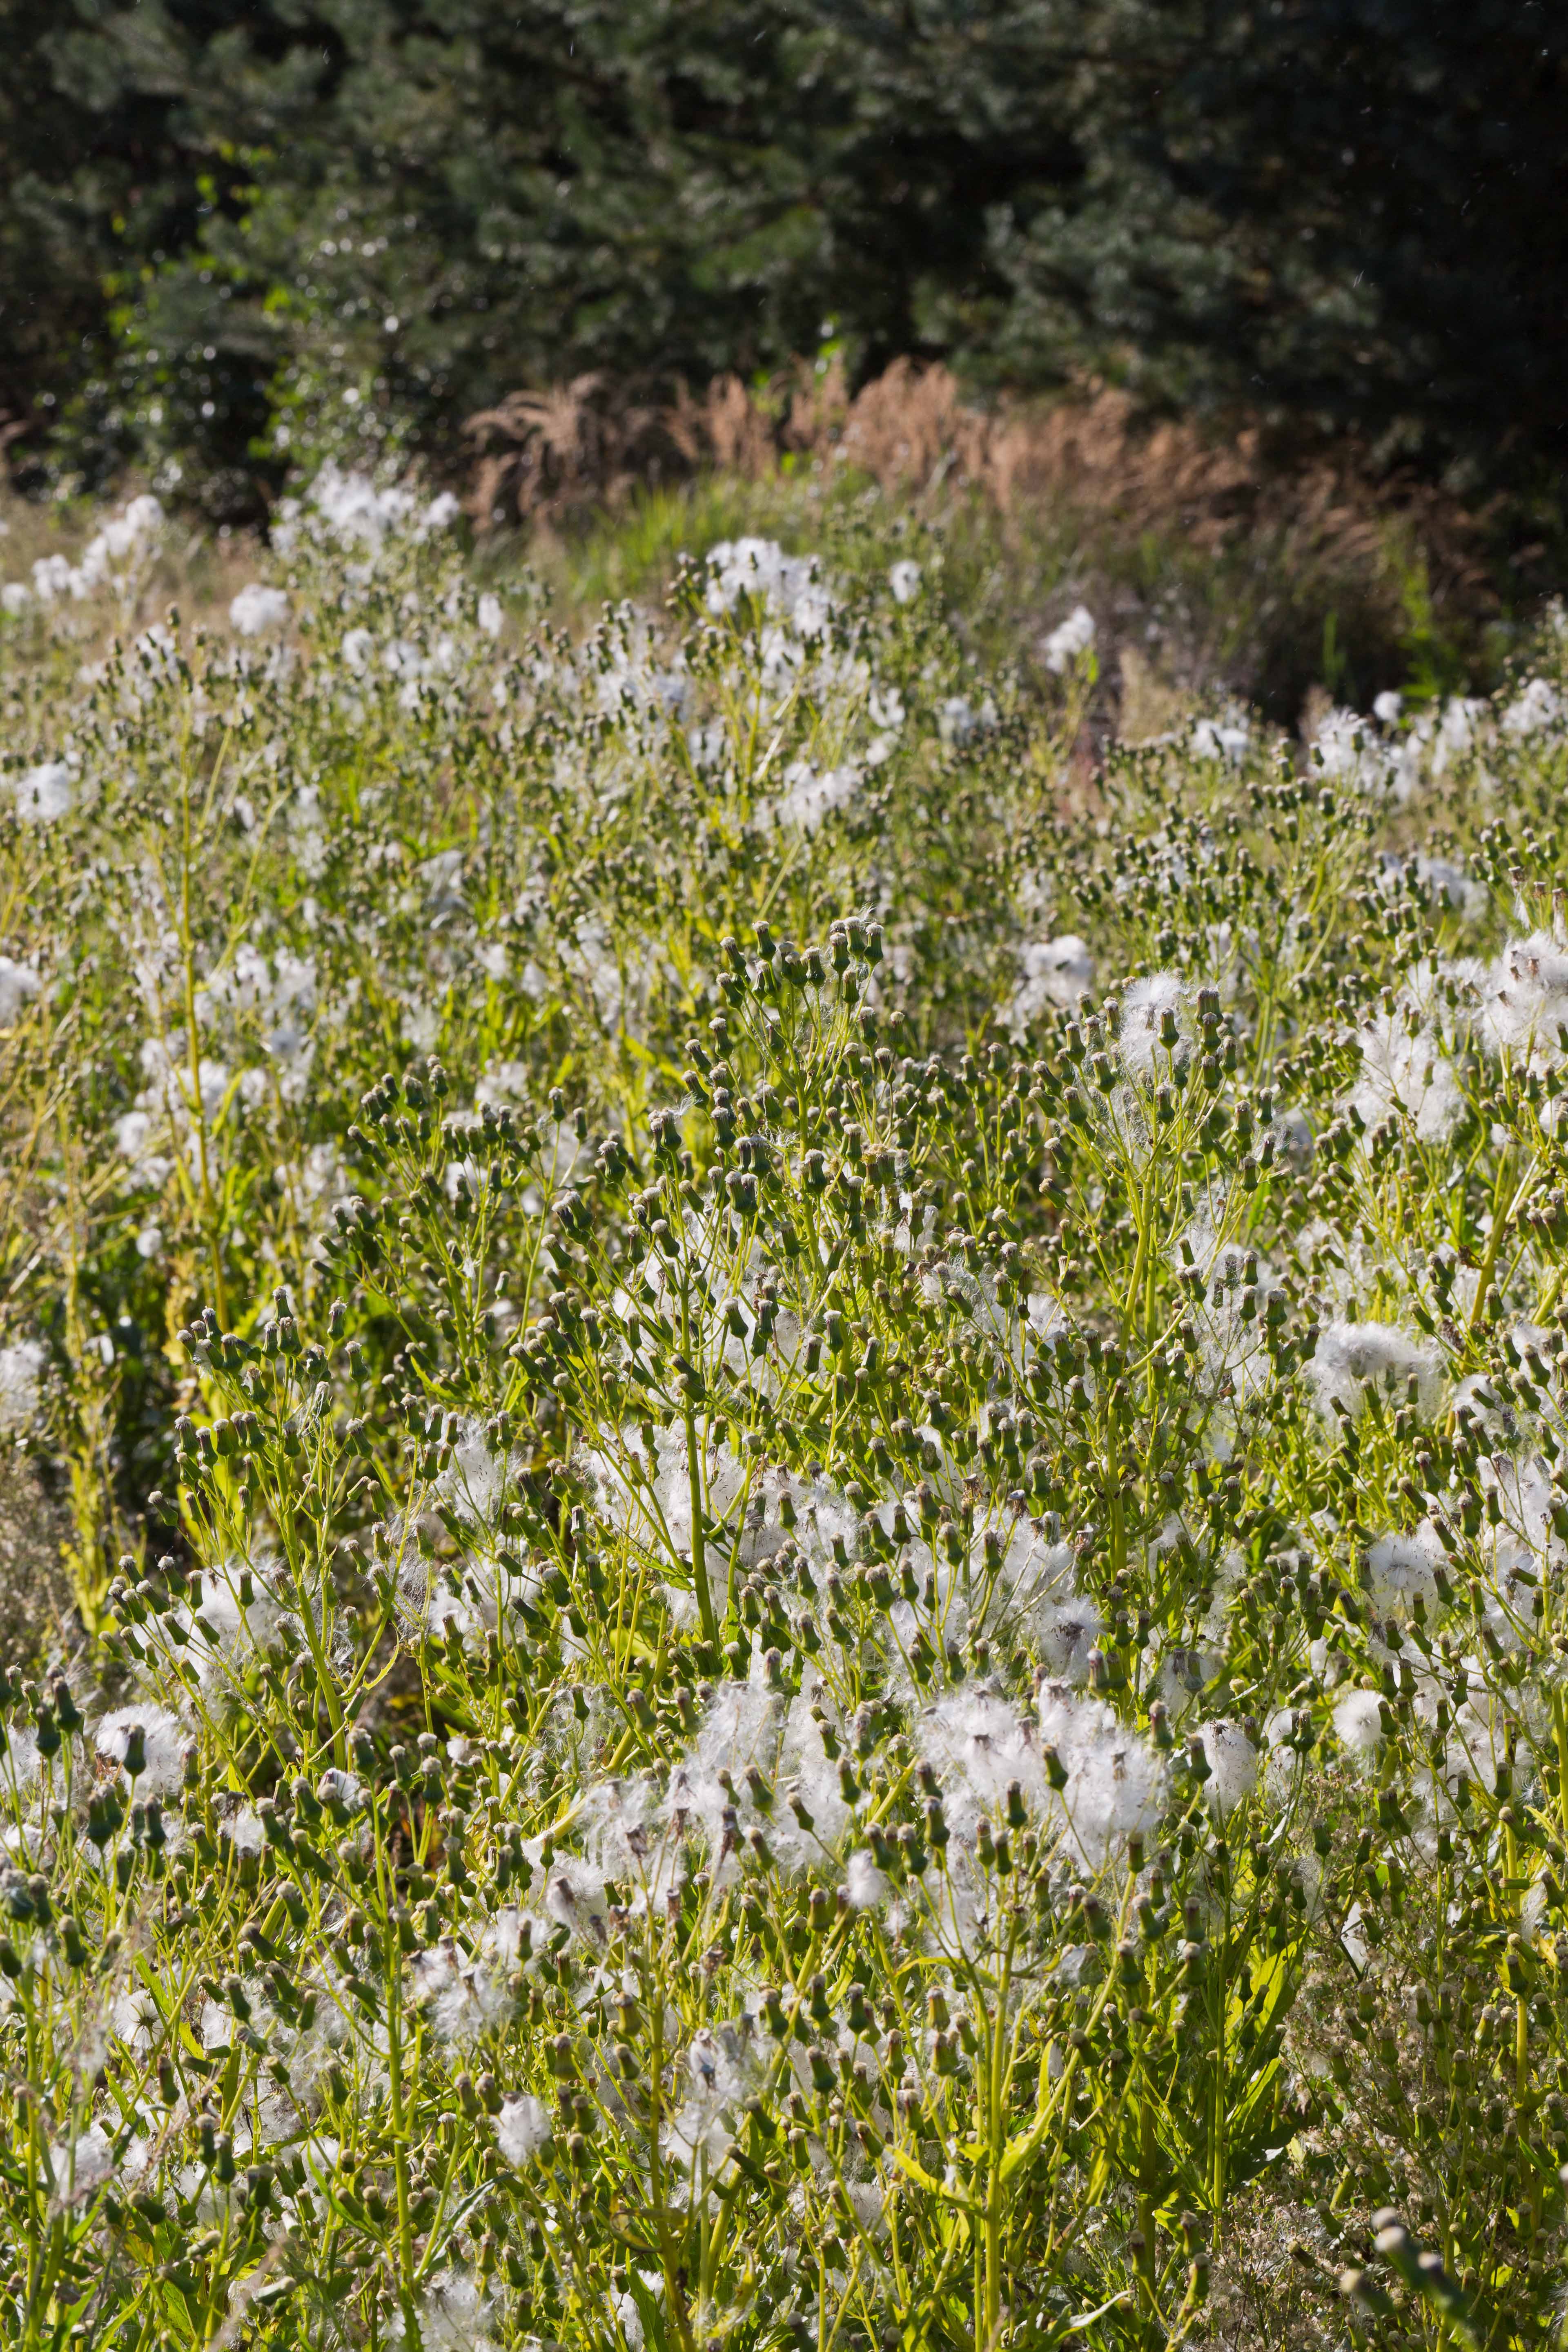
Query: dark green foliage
{"type": "Point", "coordinates": [1345, 209]}
{"type": "Point", "coordinates": [66, 168]}
{"type": "Point", "coordinates": [1346, 206]}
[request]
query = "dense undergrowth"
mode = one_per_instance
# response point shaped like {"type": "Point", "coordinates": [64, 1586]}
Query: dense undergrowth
{"type": "Point", "coordinates": [817, 1469]}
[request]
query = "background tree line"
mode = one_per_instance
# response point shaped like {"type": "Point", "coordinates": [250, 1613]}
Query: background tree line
{"type": "Point", "coordinates": [219, 218]}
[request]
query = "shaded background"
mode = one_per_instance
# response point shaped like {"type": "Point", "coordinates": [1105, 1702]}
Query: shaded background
{"type": "Point", "coordinates": [222, 227]}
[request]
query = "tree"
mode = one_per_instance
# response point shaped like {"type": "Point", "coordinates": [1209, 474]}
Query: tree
{"type": "Point", "coordinates": [1353, 208]}
{"type": "Point", "coordinates": [1343, 209]}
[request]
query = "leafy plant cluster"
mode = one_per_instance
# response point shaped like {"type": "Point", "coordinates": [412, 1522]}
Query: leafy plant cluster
{"type": "Point", "coordinates": [821, 1542]}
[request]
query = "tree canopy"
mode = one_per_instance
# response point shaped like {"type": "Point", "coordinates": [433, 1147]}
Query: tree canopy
{"type": "Point", "coordinates": [1345, 210]}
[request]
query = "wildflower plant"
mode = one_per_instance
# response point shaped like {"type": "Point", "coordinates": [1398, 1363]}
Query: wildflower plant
{"type": "Point", "coordinates": [835, 1617]}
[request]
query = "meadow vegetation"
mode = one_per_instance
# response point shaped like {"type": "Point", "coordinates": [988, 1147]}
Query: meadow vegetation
{"type": "Point", "coordinates": [802, 1449]}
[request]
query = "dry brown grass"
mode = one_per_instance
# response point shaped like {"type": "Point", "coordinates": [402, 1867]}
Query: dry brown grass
{"type": "Point", "coordinates": [1102, 452]}
{"type": "Point", "coordinates": [543, 452]}
{"type": "Point", "coordinates": [913, 433]}
{"type": "Point", "coordinates": [1302, 561]}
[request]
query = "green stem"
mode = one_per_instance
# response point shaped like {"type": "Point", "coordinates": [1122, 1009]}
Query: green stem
{"type": "Point", "coordinates": [1502, 1200]}
{"type": "Point", "coordinates": [674, 2296]}
{"type": "Point", "coordinates": [193, 1048]}
{"type": "Point", "coordinates": [698, 1537]}
{"type": "Point", "coordinates": [391, 1965]}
